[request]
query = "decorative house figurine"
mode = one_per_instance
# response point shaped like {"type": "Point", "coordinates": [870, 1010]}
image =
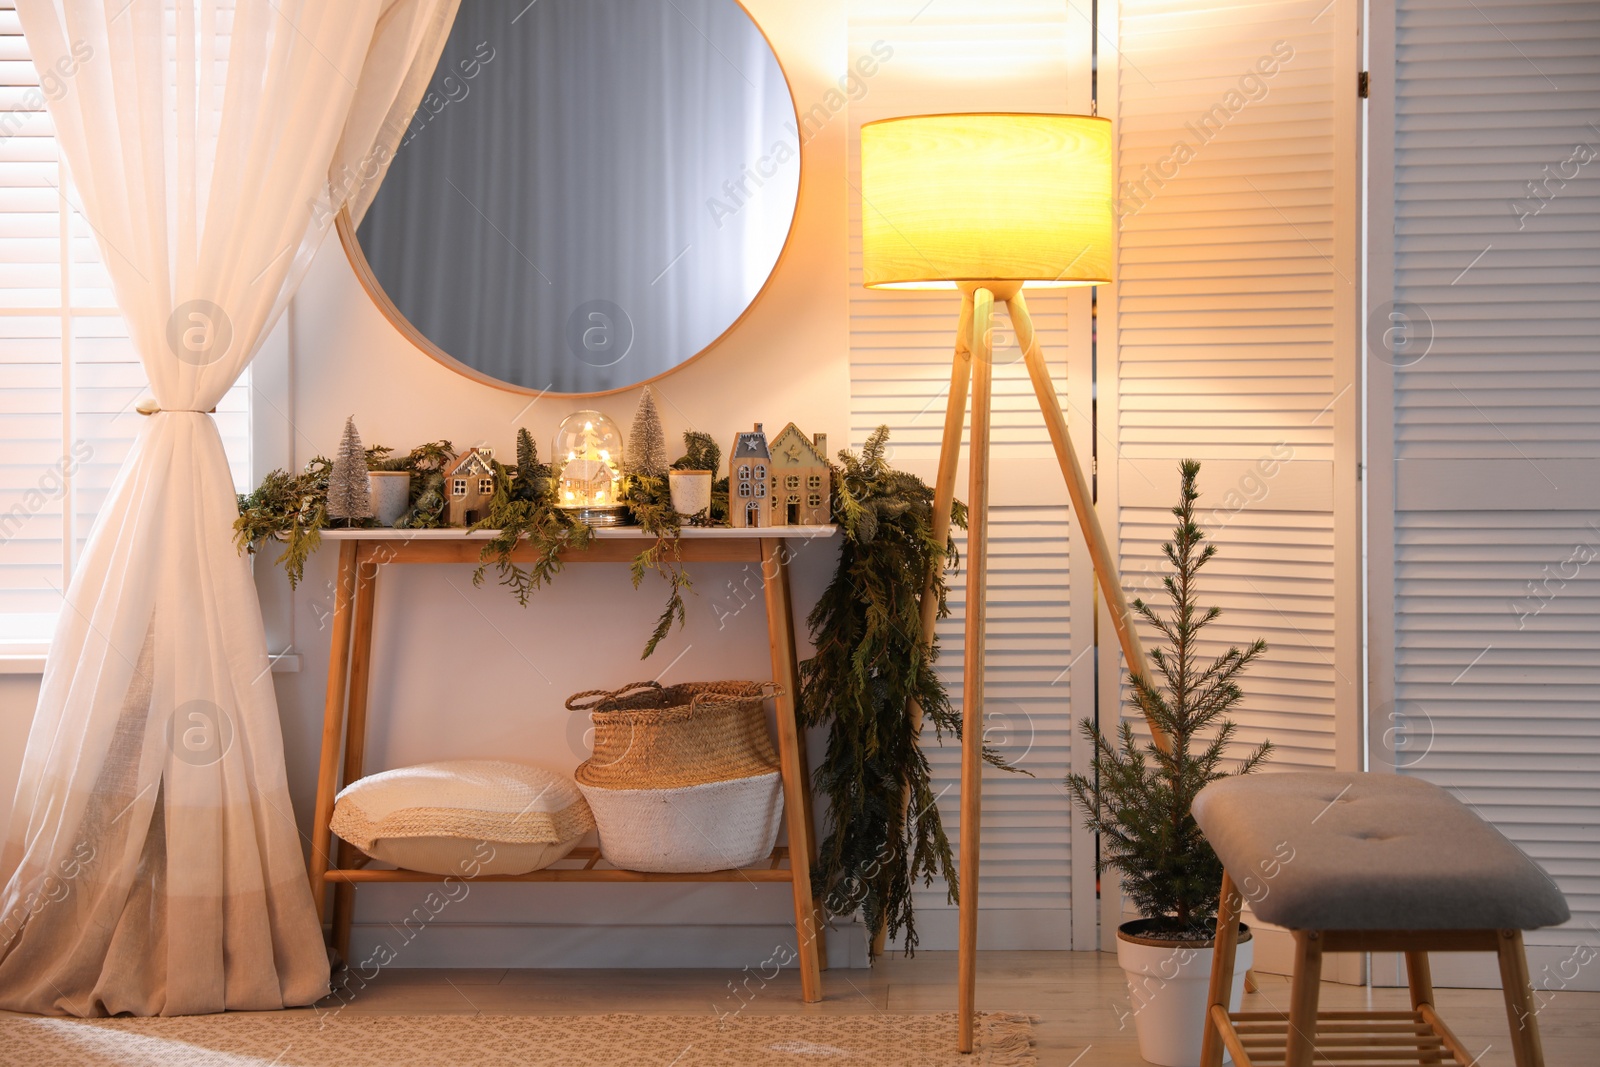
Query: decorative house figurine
{"type": "Point", "coordinates": [468, 486]}
{"type": "Point", "coordinates": [801, 479]}
{"type": "Point", "coordinates": [588, 454]}
{"type": "Point", "coordinates": [749, 470]}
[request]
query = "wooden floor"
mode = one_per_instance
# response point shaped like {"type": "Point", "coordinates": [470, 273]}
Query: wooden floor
{"type": "Point", "coordinates": [1079, 998]}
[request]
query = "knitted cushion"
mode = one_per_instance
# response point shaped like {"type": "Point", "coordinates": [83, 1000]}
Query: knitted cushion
{"type": "Point", "coordinates": [463, 817]}
{"type": "Point", "coordinates": [1328, 851]}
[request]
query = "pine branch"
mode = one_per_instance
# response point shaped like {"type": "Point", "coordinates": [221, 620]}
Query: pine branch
{"type": "Point", "coordinates": [650, 502]}
{"type": "Point", "coordinates": [549, 530]}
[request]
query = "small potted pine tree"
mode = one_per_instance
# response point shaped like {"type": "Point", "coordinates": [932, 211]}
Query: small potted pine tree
{"type": "Point", "coordinates": [1138, 800]}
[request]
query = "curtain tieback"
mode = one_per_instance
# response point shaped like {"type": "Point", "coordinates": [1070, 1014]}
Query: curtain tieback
{"type": "Point", "coordinates": [149, 407]}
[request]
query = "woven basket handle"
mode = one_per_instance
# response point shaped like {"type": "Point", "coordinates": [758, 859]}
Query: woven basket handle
{"type": "Point", "coordinates": [768, 690]}
{"type": "Point", "coordinates": [582, 701]}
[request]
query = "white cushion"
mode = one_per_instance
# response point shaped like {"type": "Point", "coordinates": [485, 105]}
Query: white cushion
{"type": "Point", "coordinates": [464, 817]}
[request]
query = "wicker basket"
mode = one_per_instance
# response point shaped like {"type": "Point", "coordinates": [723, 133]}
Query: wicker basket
{"type": "Point", "coordinates": [683, 778]}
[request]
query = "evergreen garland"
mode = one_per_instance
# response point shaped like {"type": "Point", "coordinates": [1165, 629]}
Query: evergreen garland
{"type": "Point", "coordinates": [871, 663]}
{"type": "Point", "coordinates": [426, 464]}
{"type": "Point", "coordinates": [524, 507]}
{"type": "Point", "coordinates": [650, 503]}
{"type": "Point", "coordinates": [349, 496]}
{"type": "Point", "coordinates": [293, 508]}
{"type": "Point", "coordinates": [646, 492]}
{"type": "Point", "coordinates": [1139, 798]}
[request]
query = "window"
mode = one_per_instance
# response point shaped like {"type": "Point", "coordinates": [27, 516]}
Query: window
{"type": "Point", "coordinates": [460, 487]}
{"type": "Point", "coordinates": [761, 473]}
{"type": "Point", "coordinates": [761, 488]}
{"type": "Point", "coordinates": [744, 472]}
{"type": "Point", "coordinates": [68, 371]}
{"type": "Point", "coordinates": [792, 481]}
{"type": "Point", "coordinates": [744, 488]}
{"type": "Point", "coordinates": [814, 500]}
{"type": "Point", "coordinates": [814, 482]}
{"type": "Point", "coordinates": [486, 485]}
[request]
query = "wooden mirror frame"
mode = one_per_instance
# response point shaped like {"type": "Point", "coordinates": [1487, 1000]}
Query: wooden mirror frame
{"type": "Point", "coordinates": [380, 298]}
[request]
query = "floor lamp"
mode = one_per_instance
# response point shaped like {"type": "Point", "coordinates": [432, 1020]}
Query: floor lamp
{"type": "Point", "coordinates": [989, 203]}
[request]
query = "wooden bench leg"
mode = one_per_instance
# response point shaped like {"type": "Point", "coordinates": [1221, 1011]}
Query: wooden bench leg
{"type": "Point", "coordinates": [1223, 947]}
{"type": "Point", "coordinates": [1301, 1045]}
{"type": "Point", "coordinates": [1419, 977]}
{"type": "Point", "coordinates": [1525, 1044]}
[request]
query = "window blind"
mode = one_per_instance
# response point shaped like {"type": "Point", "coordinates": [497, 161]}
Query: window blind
{"type": "Point", "coordinates": [69, 378]}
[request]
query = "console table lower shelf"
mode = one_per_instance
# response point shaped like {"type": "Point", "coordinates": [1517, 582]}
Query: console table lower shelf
{"type": "Point", "coordinates": [362, 556]}
{"type": "Point", "coordinates": [774, 871]}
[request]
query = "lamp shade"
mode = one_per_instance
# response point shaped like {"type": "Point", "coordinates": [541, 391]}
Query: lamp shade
{"type": "Point", "coordinates": [986, 197]}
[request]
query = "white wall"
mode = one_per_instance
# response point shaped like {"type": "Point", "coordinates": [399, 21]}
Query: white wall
{"type": "Point", "coordinates": [463, 672]}
{"type": "Point", "coordinates": [18, 695]}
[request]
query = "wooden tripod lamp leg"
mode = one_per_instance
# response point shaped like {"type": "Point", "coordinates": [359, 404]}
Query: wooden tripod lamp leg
{"type": "Point", "coordinates": [977, 563]}
{"type": "Point", "coordinates": [1082, 497]}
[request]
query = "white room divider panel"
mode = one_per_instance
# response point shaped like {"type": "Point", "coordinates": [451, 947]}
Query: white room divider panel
{"type": "Point", "coordinates": [1038, 885]}
{"type": "Point", "coordinates": [1230, 337]}
{"type": "Point", "coordinates": [1485, 406]}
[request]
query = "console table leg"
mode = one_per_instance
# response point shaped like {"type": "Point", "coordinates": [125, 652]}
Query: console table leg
{"type": "Point", "coordinates": [811, 837]}
{"type": "Point", "coordinates": [355, 731]}
{"type": "Point", "coordinates": [332, 725]}
{"type": "Point", "coordinates": [808, 923]}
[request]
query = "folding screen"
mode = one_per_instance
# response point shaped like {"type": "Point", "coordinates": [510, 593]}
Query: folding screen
{"type": "Point", "coordinates": [1485, 427]}
{"type": "Point", "coordinates": [1231, 337]}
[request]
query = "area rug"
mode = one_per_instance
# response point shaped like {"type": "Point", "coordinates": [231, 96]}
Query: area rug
{"type": "Point", "coordinates": [306, 1039]}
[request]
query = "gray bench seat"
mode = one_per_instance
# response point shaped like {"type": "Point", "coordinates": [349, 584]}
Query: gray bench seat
{"type": "Point", "coordinates": [1330, 851]}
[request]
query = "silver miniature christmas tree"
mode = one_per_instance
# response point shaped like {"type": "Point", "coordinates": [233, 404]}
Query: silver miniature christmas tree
{"type": "Point", "coordinates": [647, 444]}
{"type": "Point", "coordinates": [348, 495]}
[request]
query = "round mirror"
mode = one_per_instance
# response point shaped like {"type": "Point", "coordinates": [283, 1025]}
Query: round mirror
{"type": "Point", "coordinates": [592, 192]}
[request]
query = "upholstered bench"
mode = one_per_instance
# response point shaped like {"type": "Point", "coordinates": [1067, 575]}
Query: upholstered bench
{"type": "Point", "coordinates": [1366, 863]}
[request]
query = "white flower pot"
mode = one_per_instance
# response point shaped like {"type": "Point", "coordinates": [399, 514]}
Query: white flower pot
{"type": "Point", "coordinates": [391, 495]}
{"type": "Point", "coordinates": [1168, 986]}
{"type": "Point", "coordinates": [691, 491]}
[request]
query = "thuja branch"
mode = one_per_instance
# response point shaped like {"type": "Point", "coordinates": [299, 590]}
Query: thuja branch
{"type": "Point", "coordinates": [872, 660]}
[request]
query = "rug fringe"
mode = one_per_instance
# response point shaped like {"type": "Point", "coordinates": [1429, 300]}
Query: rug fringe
{"type": "Point", "coordinates": [1008, 1039]}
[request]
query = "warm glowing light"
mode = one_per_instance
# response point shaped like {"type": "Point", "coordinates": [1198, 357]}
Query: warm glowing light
{"type": "Point", "coordinates": [589, 474]}
{"type": "Point", "coordinates": [986, 197]}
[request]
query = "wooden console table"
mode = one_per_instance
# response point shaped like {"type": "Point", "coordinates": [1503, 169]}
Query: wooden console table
{"type": "Point", "coordinates": [362, 556]}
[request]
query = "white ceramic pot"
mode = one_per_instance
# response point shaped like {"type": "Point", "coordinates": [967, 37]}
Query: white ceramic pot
{"type": "Point", "coordinates": [391, 495]}
{"type": "Point", "coordinates": [691, 491]}
{"type": "Point", "coordinates": [1168, 985]}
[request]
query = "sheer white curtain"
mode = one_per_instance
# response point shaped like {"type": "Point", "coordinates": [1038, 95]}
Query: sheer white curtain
{"type": "Point", "coordinates": [154, 862]}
